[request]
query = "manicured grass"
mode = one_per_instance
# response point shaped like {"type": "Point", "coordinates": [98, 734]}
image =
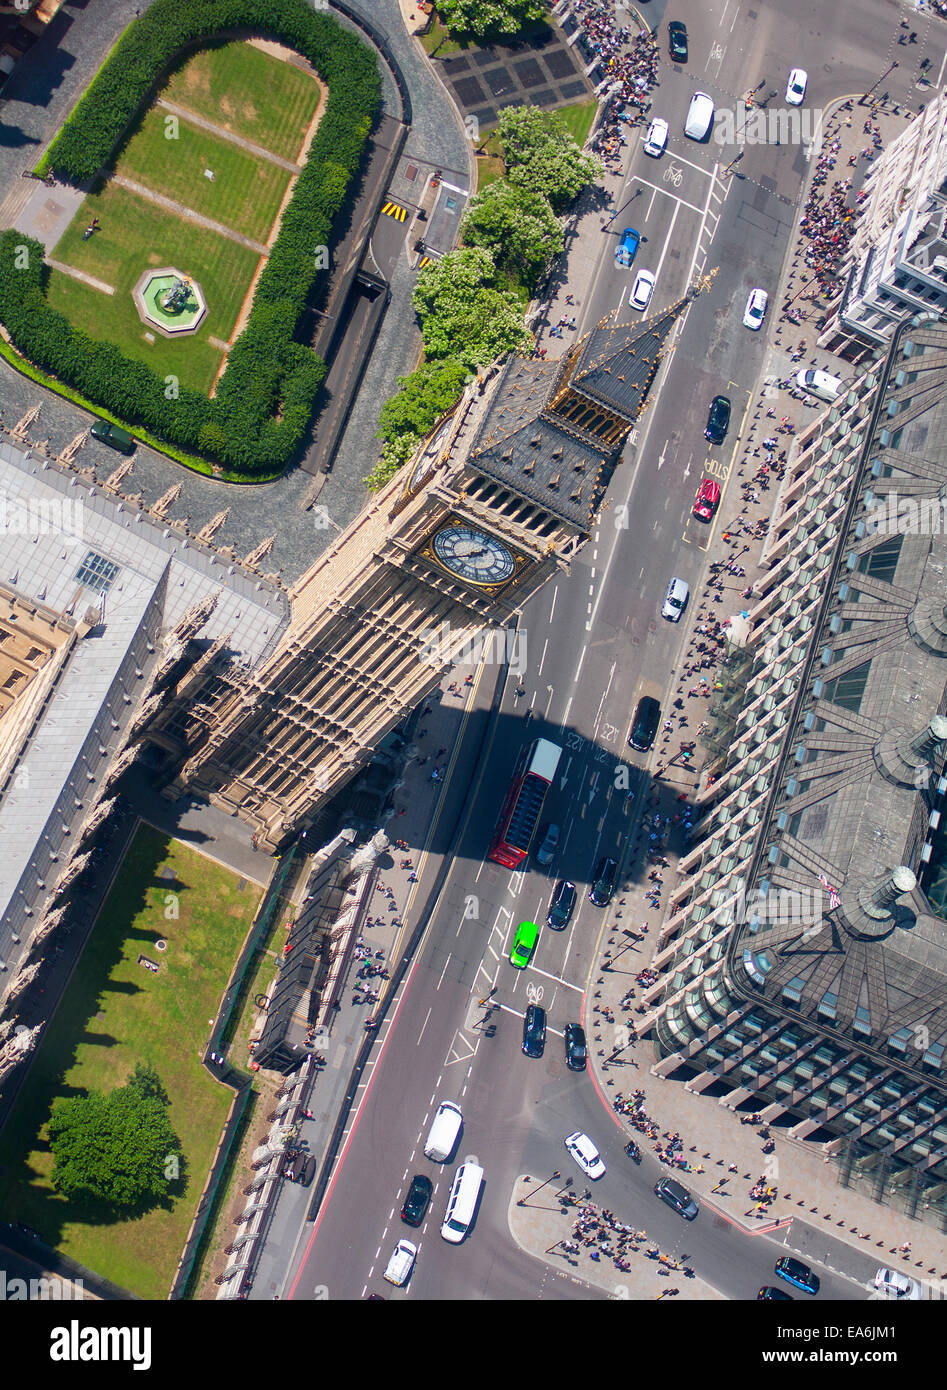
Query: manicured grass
{"type": "Point", "coordinates": [249, 93]}
{"type": "Point", "coordinates": [137, 235]}
{"type": "Point", "coordinates": [578, 119]}
{"type": "Point", "coordinates": [436, 38]}
{"type": "Point", "coordinates": [489, 169]}
{"type": "Point", "coordinates": [116, 1013]}
{"type": "Point", "coordinates": [244, 194]}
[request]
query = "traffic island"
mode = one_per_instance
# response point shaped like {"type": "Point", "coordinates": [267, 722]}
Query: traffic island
{"type": "Point", "coordinates": [553, 1221]}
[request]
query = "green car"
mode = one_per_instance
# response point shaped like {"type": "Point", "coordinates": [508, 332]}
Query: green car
{"type": "Point", "coordinates": [524, 944]}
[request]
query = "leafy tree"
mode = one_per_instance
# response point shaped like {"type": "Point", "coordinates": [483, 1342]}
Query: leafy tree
{"type": "Point", "coordinates": [463, 314]}
{"type": "Point", "coordinates": [114, 1148]}
{"type": "Point", "coordinates": [425, 396]}
{"type": "Point", "coordinates": [394, 456]}
{"type": "Point", "coordinates": [541, 155]}
{"type": "Point", "coordinates": [483, 17]}
{"type": "Point", "coordinates": [517, 226]}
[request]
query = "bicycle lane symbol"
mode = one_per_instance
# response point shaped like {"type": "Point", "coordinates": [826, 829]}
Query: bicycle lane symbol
{"type": "Point", "coordinates": [674, 174]}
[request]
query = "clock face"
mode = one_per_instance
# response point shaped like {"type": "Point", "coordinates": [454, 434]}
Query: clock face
{"type": "Point", "coordinates": [473, 555]}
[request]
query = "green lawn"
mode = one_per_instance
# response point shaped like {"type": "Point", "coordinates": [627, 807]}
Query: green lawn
{"type": "Point", "coordinates": [245, 193]}
{"type": "Point", "coordinates": [116, 1013]}
{"type": "Point", "coordinates": [137, 235]}
{"type": "Point", "coordinates": [249, 93]}
{"type": "Point", "coordinates": [578, 119]}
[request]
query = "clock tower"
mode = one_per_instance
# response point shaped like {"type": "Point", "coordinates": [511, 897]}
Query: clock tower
{"type": "Point", "coordinates": [499, 497]}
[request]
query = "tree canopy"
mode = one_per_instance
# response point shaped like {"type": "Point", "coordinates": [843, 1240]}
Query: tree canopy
{"type": "Point", "coordinates": [482, 17]}
{"type": "Point", "coordinates": [463, 314]}
{"type": "Point", "coordinates": [425, 395]}
{"type": "Point", "coordinates": [117, 1148]}
{"type": "Point", "coordinates": [541, 155]}
{"type": "Point", "coordinates": [517, 226]}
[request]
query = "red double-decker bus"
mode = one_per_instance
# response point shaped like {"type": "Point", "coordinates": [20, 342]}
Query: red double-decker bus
{"type": "Point", "coordinates": [534, 773]}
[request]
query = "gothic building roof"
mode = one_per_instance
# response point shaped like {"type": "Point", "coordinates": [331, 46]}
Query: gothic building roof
{"type": "Point", "coordinates": [553, 431]}
{"type": "Point", "coordinates": [617, 361]}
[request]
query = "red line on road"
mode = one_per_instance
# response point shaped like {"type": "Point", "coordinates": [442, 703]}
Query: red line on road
{"type": "Point", "coordinates": [341, 1159]}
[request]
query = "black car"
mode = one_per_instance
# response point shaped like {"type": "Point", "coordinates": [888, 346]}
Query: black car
{"type": "Point", "coordinates": [561, 905]}
{"type": "Point", "coordinates": [718, 420]}
{"type": "Point", "coordinates": [576, 1053]}
{"type": "Point", "coordinates": [534, 1031]}
{"type": "Point", "coordinates": [604, 884]}
{"type": "Point", "coordinates": [644, 724]}
{"type": "Point", "coordinates": [677, 41]}
{"type": "Point", "coordinates": [416, 1202]}
{"type": "Point", "coordinates": [677, 1197]}
{"type": "Point", "coordinates": [768, 1294]}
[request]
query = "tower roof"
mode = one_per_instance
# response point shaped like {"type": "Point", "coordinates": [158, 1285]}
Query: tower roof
{"type": "Point", "coordinates": [617, 361]}
{"type": "Point", "coordinates": [530, 444]}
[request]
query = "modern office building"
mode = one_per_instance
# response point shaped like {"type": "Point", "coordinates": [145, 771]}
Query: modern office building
{"type": "Point", "coordinates": [897, 260]}
{"type": "Point", "coordinates": [803, 963]}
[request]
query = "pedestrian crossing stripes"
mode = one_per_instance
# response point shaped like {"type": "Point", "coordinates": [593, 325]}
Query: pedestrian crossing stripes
{"type": "Point", "coordinates": [395, 210]}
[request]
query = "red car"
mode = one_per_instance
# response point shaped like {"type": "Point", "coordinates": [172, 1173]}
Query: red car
{"type": "Point", "coordinates": [707, 500]}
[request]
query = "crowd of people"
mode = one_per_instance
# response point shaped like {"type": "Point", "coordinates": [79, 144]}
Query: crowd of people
{"type": "Point", "coordinates": [827, 223]}
{"type": "Point", "coordinates": [600, 1234]}
{"type": "Point", "coordinates": [668, 1146]}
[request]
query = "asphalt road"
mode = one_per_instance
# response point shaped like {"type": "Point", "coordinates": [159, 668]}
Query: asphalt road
{"type": "Point", "coordinates": [595, 641]}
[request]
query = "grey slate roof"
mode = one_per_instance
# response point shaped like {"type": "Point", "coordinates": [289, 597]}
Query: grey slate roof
{"type": "Point", "coordinates": [549, 460]}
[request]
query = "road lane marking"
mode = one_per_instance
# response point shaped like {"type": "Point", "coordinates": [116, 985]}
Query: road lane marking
{"type": "Point", "coordinates": [567, 984]}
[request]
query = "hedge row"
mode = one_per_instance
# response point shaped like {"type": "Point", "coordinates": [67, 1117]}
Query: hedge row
{"type": "Point", "coordinates": [264, 399]}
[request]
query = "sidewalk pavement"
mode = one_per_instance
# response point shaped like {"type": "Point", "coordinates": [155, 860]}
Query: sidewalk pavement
{"type": "Point", "coordinates": [417, 805]}
{"type": "Point", "coordinates": [728, 1160]}
{"type": "Point", "coordinates": [546, 1227]}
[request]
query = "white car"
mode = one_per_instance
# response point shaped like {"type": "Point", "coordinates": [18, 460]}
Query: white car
{"type": "Point", "coordinates": [656, 138]}
{"type": "Point", "coordinates": [675, 600]}
{"type": "Point", "coordinates": [755, 310]}
{"type": "Point", "coordinates": [818, 383]}
{"type": "Point", "coordinates": [796, 87]}
{"type": "Point", "coordinates": [547, 850]}
{"type": "Point", "coordinates": [401, 1263]}
{"type": "Point", "coordinates": [585, 1154]}
{"type": "Point", "coordinates": [893, 1284]}
{"type": "Point", "coordinates": [642, 289]}
{"type": "Point", "coordinates": [700, 117]}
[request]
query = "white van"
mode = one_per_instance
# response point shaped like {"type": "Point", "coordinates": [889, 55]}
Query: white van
{"type": "Point", "coordinates": [401, 1263]}
{"type": "Point", "coordinates": [445, 1128]}
{"type": "Point", "coordinates": [820, 384]}
{"type": "Point", "coordinates": [700, 117]}
{"type": "Point", "coordinates": [462, 1202]}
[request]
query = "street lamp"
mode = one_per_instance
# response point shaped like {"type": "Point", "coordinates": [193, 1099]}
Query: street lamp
{"type": "Point", "coordinates": [863, 100]}
{"type": "Point", "coordinates": [522, 1201]}
{"type": "Point", "coordinates": [636, 194]}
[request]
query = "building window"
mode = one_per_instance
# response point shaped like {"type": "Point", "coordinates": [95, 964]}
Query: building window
{"type": "Point", "coordinates": [882, 561]}
{"type": "Point", "coordinates": [847, 690]}
{"type": "Point", "coordinates": [96, 572]}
